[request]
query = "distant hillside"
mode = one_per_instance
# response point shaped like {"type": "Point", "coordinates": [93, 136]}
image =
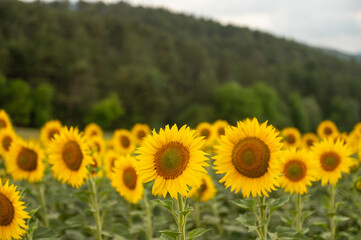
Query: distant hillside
{"type": "Point", "coordinates": [118, 64]}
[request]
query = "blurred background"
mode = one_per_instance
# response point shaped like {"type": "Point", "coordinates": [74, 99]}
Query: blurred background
{"type": "Point", "coordinates": [159, 62]}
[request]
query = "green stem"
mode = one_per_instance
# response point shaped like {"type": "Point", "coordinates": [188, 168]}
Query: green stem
{"type": "Point", "coordinates": [149, 230]}
{"type": "Point", "coordinates": [332, 212]}
{"type": "Point", "coordinates": [299, 213]}
{"type": "Point", "coordinates": [262, 217]}
{"type": "Point", "coordinates": [219, 223]}
{"type": "Point", "coordinates": [181, 219]}
{"type": "Point", "coordinates": [43, 204]}
{"type": "Point", "coordinates": [197, 214]}
{"type": "Point", "coordinates": [94, 198]}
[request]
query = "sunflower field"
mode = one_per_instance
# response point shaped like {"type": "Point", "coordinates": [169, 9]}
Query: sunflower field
{"type": "Point", "coordinates": [218, 181]}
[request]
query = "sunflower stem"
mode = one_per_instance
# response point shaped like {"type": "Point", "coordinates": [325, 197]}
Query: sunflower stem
{"type": "Point", "coordinates": [95, 205]}
{"type": "Point", "coordinates": [219, 224]}
{"type": "Point", "coordinates": [262, 217]}
{"type": "Point", "coordinates": [197, 214]}
{"type": "Point", "coordinates": [149, 230]}
{"type": "Point", "coordinates": [43, 204]}
{"type": "Point", "coordinates": [181, 217]}
{"type": "Point", "coordinates": [332, 212]}
{"type": "Point", "coordinates": [299, 213]}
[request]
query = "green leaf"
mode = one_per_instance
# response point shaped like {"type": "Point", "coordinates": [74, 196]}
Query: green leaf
{"type": "Point", "coordinates": [197, 232]}
{"type": "Point", "coordinates": [168, 204]}
{"type": "Point", "coordinates": [121, 230]}
{"type": "Point", "coordinates": [187, 211]}
{"type": "Point", "coordinates": [246, 203]}
{"type": "Point", "coordinates": [306, 214]}
{"type": "Point", "coordinates": [43, 232]}
{"type": "Point", "coordinates": [32, 212]}
{"type": "Point", "coordinates": [170, 233]}
{"type": "Point", "coordinates": [339, 218]}
{"type": "Point", "coordinates": [289, 220]}
{"type": "Point", "coordinates": [247, 219]}
{"type": "Point", "coordinates": [165, 237]}
{"type": "Point", "coordinates": [279, 202]}
{"type": "Point", "coordinates": [75, 221]}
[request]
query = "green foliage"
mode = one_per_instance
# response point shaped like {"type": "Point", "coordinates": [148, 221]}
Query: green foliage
{"type": "Point", "coordinates": [42, 97]}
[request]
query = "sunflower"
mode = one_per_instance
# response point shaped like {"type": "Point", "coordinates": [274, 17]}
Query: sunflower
{"type": "Point", "coordinates": [308, 139]}
{"type": "Point", "coordinates": [173, 159]}
{"type": "Point", "coordinates": [297, 171]}
{"type": "Point", "coordinates": [7, 136]}
{"type": "Point", "coordinates": [354, 141]}
{"type": "Point", "coordinates": [292, 137]}
{"type": "Point", "coordinates": [126, 180]}
{"type": "Point", "coordinates": [123, 141]}
{"type": "Point", "coordinates": [96, 166]}
{"type": "Point", "coordinates": [96, 145]}
{"type": "Point", "coordinates": [206, 191]}
{"type": "Point", "coordinates": [48, 131]}
{"type": "Point", "coordinates": [92, 130]}
{"type": "Point", "coordinates": [25, 161]}
{"type": "Point", "coordinates": [219, 127]}
{"type": "Point", "coordinates": [205, 130]}
{"type": "Point", "coordinates": [12, 214]}
{"type": "Point", "coordinates": [248, 155]}
{"type": "Point", "coordinates": [140, 131]}
{"type": "Point", "coordinates": [4, 120]}
{"type": "Point", "coordinates": [110, 159]}
{"type": "Point", "coordinates": [332, 159]}
{"type": "Point", "coordinates": [327, 129]}
{"type": "Point", "coordinates": [68, 157]}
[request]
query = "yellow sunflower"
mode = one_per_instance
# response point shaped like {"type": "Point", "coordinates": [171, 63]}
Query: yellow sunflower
{"type": "Point", "coordinates": [140, 131]}
{"type": "Point", "coordinates": [126, 180]}
{"type": "Point", "coordinates": [297, 171]}
{"type": "Point", "coordinates": [7, 136]}
{"type": "Point", "coordinates": [219, 127]}
{"type": "Point", "coordinates": [206, 131]}
{"type": "Point", "coordinates": [206, 191]}
{"type": "Point", "coordinates": [327, 129]}
{"type": "Point", "coordinates": [173, 159]}
{"type": "Point", "coordinates": [68, 157]}
{"type": "Point", "coordinates": [332, 159]}
{"type": "Point", "coordinates": [25, 161]}
{"type": "Point", "coordinates": [248, 155]}
{"type": "Point", "coordinates": [123, 141]}
{"type": "Point", "coordinates": [97, 144]}
{"type": "Point", "coordinates": [48, 131]}
{"type": "Point", "coordinates": [308, 139]}
{"type": "Point", "coordinates": [12, 214]}
{"type": "Point", "coordinates": [4, 120]}
{"type": "Point", "coordinates": [96, 166]}
{"type": "Point", "coordinates": [354, 140]}
{"type": "Point", "coordinates": [292, 137]}
{"type": "Point", "coordinates": [110, 159]}
{"type": "Point", "coordinates": [92, 130]}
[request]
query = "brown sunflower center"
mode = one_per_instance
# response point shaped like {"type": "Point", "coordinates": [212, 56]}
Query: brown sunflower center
{"type": "Point", "coordinates": [327, 131]}
{"type": "Point", "coordinates": [130, 177]}
{"type": "Point", "coordinates": [124, 141]}
{"type": "Point", "coordinates": [112, 163]}
{"type": "Point", "coordinates": [250, 157]}
{"type": "Point", "coordinates": [98, 148]}
{"type": "Point", "coordinates": [202, 188]}
{"type": "Point", "coordinates": [221, 131]}
{"type": "Point", "coordinates": [290, 138]}
{"type": "Point", "coordinates": [27, 159]}
{"type": "Point", "coordinates": [295, 170]}
{"type": "Point", "coordinates": [2, 123]}
{"type": "Point", "coordinates": [72, 155]}
{"type": "Point", "coordinates": [93, 133]}
{"type": "Point", "coordinates": [6, 210]}
{"type": "Point", "coordinates": [330, 161]}
{"type": "Point", "coordinates": [310, 142]}
{"type": "Point", "coordinates": [52, 133]}
{"type": "Point", "coordinates": [141, 134]}
{"type": "Point", "coordinates": [7, 140]}
{"type": "Point", "coordinates": [205, 133]}
{"type": "Point", "coordinates": [171, 160]}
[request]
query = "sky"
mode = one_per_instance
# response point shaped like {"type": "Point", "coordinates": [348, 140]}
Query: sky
{"type": "Point", "coordinates": [332, 24]}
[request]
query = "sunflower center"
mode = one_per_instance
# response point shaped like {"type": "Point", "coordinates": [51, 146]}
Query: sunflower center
{"type": "Point", "coordinates": [72, 155]}
{"type": "Point", "coordinates": [171, 160]}
{"type": "Point", "coordinates": [290, 139]}
{"type": "Point", "coordinates": [327, 130]}
{"type": "Point", "coordinates": [2, 123]}
{"type": "Point", "coordinates": [330, 161]}
{"type": "Point", "coordinates": [221, 131]}
{"type": "Point", "coordinates": [295, 170]}
{"type": "Point", "coordinates": [309, 142]}
{"type": "Point", "coordinates": [93, 133]}
{"type": "Point", "coordinates": [112, 163]}
{"type": "Point", "coordinates": [250, 157]}
{"type": "Point", "coordinates": [6, 142]}
{"type": "Point", "coordinates": [27, 159]}
{"type": "Point", "coordinates": [358, 185]}
{"type": "Point", "coordinates": [141, 134]}
{"type": "Point", "coordinates": [124, 141]}
{"type": "Point", "coordinates": [52, 133]}
{"type": "Point", "coordinates": [6, 210]}
{"type": "Point", "coordinates": [130, 177]}
{"type": "Point", "coordinates": [97, 147]}
{"type": "Point", "coordinates": [202, 188]}
{"type": "Point", "coordinates": [205, 133]}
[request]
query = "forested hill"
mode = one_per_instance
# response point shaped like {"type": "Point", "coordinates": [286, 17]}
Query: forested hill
{"type": "Point", "coordinates": [118, 64]}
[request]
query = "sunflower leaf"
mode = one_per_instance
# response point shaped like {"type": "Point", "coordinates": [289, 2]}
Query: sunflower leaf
{"type": "Point", "coordinates": [246, 203]}
{"type": "Point", "coordinates": [170, 233]}
{"type": "Point", "coordinates": [197, 232]}
{"type": "Point", "coordinates": [168, 204]}
{"type": "Point", "coordinates": [279, 202]}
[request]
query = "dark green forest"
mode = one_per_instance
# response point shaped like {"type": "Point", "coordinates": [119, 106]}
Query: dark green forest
{"type": "Point", "coordinates": [118, 64]}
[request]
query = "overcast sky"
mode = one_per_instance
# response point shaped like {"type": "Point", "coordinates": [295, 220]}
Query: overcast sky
{"type": "Point", "coordinates": [324, 23]}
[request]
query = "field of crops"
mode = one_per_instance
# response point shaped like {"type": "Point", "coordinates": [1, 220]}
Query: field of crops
{"type": "Point", "coordinates": [247, 181]}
